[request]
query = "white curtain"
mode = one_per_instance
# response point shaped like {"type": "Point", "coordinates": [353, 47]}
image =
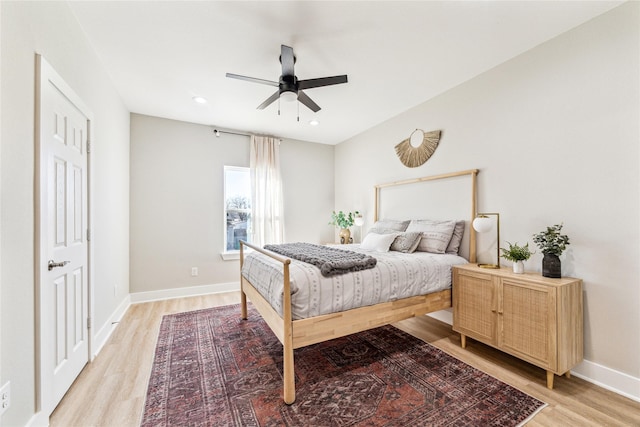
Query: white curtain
{"type": "Point", "coordinates": [266, 192]}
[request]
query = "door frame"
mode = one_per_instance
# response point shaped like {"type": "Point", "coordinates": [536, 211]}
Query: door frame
{"type": "Point", "coordinates": [44, 74]}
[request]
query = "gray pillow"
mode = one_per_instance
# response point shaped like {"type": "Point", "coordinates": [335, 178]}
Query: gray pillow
{"type": "Point", "coordinates": [384, 231]}
{"type": "Point", "coordinates": [456, 238]}
{"type": "Point", "coordinates": [406, 242]}
{"type": "Point", "coordinates": [389, 225]}
{"type": "Point", "coordinates": [435, 234]}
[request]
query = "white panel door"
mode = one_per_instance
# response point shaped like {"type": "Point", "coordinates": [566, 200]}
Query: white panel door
{"type": "Point", "coordinates": [63, 247]}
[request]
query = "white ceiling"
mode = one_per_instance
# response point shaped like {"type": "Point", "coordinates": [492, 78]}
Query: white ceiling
{"type": "Point", "coordinates": [397, 55]}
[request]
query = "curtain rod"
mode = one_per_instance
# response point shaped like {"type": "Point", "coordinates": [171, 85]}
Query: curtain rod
{"type": "Point", "coordinates": [217, 133]}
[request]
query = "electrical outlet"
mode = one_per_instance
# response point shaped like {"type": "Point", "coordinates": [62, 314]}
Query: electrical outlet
{"type": "Point", "coordinates": [194, 271]}
{"type": "Point", "coordinates": [5, 394]}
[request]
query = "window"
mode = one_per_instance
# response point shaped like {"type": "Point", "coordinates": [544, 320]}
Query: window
{"type": "Point", "coordinates": [237, 198]}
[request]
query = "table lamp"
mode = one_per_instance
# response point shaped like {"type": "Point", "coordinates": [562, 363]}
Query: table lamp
{"type": "Point", "coordinates": [359, 221]}
{"type": "Point", "coordinates": [482, 223]}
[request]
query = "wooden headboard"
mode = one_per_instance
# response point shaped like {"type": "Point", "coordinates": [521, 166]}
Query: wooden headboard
{"type": "Point", "coordinates": [472, 202]}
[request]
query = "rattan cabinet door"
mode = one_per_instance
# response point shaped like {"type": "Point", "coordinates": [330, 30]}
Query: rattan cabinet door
{"type": "Point", "coordinates": [475, 302]}
{"type": "Point", "coordinates": [527, 317]}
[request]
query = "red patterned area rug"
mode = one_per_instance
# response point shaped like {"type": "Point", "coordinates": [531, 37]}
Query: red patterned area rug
{"type": "Point", "coordinates": [213, 369]}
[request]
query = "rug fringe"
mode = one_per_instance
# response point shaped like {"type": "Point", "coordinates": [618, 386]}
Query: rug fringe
{"type": "Point", "coordinates": [530, 417]}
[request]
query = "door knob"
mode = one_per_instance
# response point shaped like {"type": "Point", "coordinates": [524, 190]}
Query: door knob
{"type": "Point", "coordinates": [52, 264]}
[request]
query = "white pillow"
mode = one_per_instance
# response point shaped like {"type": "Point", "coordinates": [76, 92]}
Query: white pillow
{"type": "Point", "coordinates": [435, 234]}
{"type": "Point", "coordinates": [378, 242]}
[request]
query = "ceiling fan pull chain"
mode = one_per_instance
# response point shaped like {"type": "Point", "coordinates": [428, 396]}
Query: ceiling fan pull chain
{"type": "Point", "coordinates": [278, 106]}
{"type": "Point", "coordinates": [298, 104]}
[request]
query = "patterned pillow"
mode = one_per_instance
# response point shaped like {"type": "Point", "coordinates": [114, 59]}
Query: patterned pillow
{"type": "Point", "coordinates": [456, 238]}
{"type": "Point", "coordinates": [435, 234]}
{"type": "Point", "coordinates": [406, 242]}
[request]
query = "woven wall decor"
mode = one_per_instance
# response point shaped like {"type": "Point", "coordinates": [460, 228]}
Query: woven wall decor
{"type": "Point", "coordinates": [411, 156]}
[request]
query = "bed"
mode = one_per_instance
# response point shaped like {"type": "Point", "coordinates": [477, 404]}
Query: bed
{"type": "Point", "coordinates": [297, 328]}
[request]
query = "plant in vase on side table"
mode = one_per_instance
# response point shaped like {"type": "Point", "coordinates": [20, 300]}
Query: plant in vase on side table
{"type": "Point", "coordinates": [344, 222]}
{"type": "Point", "coordinates": [552, 244]}
{"type": "Point", "coordinates": [517, 255]}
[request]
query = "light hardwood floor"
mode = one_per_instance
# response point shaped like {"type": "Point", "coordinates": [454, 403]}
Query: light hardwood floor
{"type": "Point", "coordinates": [111, 390]}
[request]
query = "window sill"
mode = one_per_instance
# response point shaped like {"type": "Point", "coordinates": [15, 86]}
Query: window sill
{"type": "Point", "coordinates": [233, 255]}
{"type": "Point", "coordinates": [230, 256]}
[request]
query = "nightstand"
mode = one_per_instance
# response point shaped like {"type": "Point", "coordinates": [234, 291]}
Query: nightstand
{"type": "Point", "coordinates": [535, 318]}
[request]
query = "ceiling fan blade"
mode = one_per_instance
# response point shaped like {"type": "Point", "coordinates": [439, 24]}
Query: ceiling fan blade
{"type": "Point", "coordinates": [287, 60]}
{"type": "Point", "coordinates": [269, 100]}
{"type": "Point", "coordinates": [252, 79]}
{"type": "Point", "coordinates": [303, 98]}
{"type": "Point", "coordinates": [322, 81]}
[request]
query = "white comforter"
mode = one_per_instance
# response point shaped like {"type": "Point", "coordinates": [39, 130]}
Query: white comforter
{"type": "Point", "coordinates": [397, 275]}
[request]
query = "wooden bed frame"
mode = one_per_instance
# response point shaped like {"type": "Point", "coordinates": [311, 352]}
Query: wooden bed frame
{"type": "Point", "coordinates": [300, 333]}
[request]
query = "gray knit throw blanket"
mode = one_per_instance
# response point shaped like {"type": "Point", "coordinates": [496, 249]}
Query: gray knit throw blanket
{"type": "Point", "coordinates": [331, 261]}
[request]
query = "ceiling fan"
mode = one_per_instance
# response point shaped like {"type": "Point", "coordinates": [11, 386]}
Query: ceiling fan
{"type": "Point", "coordinates": [289, 87]}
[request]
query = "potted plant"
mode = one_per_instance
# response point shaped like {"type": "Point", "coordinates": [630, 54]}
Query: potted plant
{"type": "Point", "coordinates": [517, 254]}
{"type": "Point", "coordinates": [552, 244]}
{"type": "Point", "coordinates": [344, 221]}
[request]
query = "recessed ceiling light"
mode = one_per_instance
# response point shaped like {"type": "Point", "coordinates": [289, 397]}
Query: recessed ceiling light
{"type": "Point", "coordinates": [314, 122]}
{"type": "Point", "coordinates": [199, 100]}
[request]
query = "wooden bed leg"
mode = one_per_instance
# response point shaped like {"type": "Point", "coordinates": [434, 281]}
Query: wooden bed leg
{"type": "Point", "coordinates": [289, 373]}
{"type": "Point", "coordinates": [463, 341]}
{"type": "Point", "coordinates": [243, 305]}
{"type": "Point", "coordinates": [243, 296]}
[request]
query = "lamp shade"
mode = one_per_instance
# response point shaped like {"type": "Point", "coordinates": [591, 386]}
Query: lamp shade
{"type": "Point", "coordinates": [358, 220]}
{"type": "Point", "coordinates": [482, 224]}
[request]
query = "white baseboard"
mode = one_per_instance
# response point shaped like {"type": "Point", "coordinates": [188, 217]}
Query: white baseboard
{"type": "Point", "coordinates": [39, 419]}
{"type": "Point", "coordinates": [445, 316]}
{"type": "Point", "coordinates": [102, 335]}
{"type": "Point", "coordinates": [615, 381]}
{"type": "Point", "coordinates": [192, 291]}
{"type": "Point", "coordinates": [610, 379]}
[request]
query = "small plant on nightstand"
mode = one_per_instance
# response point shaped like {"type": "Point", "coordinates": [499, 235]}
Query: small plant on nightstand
{"type": "Point", "coordinates": [517, 254]}
{"type": "Point", "coordinates": [344, 221]}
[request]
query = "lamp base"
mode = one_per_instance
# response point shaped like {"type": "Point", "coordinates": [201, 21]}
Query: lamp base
{"type": "Point", "coordinates": [488, 266]}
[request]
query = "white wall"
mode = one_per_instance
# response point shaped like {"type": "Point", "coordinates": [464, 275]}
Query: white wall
{"type": "Point", "coordinates": [177, 193]}
{"type": "Point", "coordinates": [307, 186]}
{"type": "Point", "coordinates": [555, 134]}
{"type": "Point", "coordinates": [49, 28]}
{"type": "Point", "coordinates": [1, 238]}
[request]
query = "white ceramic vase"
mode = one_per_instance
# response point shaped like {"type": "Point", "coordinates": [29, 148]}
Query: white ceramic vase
{"type": "Point", "coordinates": [518, 267]}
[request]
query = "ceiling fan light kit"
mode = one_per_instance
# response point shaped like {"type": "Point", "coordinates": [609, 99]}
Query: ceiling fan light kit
{"type": "Point", "coordinates": [289, 87]}
{"type": "Point", "coordinates": [288, 96]}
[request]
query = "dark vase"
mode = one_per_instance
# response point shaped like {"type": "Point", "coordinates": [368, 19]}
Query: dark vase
{"type": "Point", "coordinates": [551, 266]}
